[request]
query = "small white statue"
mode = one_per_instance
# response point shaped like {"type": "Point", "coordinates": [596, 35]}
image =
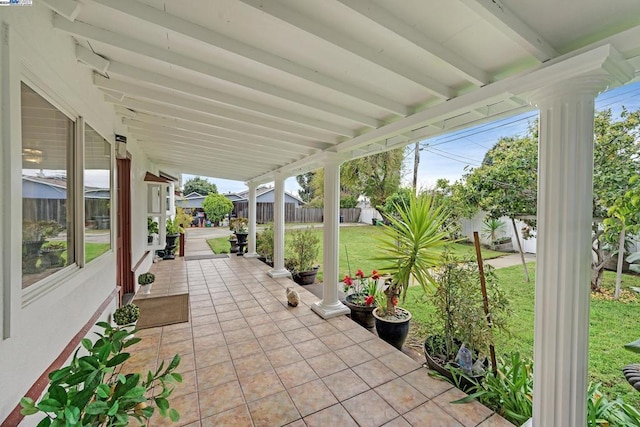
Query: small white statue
{"type": "Point", "coordinates": [293, 298]}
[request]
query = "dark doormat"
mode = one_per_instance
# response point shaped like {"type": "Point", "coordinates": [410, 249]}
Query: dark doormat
{"type": "Point", "coordinates": [208, 256]}
{"type": "Point", "coordinates": [162, 311]}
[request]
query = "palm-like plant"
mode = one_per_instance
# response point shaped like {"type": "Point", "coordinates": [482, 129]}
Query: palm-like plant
{"type": "Point", "coordinates": [411, 244]}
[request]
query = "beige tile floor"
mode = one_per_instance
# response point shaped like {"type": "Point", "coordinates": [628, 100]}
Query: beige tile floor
{"type": "Point", "coordinates": [250, 360]}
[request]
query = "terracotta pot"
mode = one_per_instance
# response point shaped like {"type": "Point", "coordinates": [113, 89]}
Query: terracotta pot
{"type": "Point", "coordinates": [361, 314]}
{"type": "Point", "coordinates": [393, 330]}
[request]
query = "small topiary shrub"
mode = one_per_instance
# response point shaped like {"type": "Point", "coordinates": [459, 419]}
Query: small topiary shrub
{"type": "Point", "coordinates": [146, 278]}
{"type": "Point", "coordinates": [126, 315]}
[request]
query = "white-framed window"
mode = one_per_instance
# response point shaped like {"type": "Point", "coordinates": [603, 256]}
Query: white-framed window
{"type": "Point", "coordinates": [97, 194]}
{"type": "Point", "coordinates": [48, 224]}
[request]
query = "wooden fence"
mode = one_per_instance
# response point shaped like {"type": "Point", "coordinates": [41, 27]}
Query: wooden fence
{"type": "Point", "coordinates": [264, 213]}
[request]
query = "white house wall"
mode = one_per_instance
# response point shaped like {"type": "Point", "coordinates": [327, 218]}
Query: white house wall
{"type": "Point", "coordinates": [469, 225]}
{"type": "Point", "coordinates": [37, 327]}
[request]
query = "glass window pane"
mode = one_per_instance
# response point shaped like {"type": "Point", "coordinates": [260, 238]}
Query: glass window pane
{"type": "Point", "coordinates": [47, 220]}
{"type": "Point", "coordinates": [97, 194]}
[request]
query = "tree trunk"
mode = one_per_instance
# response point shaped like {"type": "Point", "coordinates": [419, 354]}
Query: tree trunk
{"type": "Point", "coordinates": [616, 296]}
{"type": "Point", "coordinates": [597, 264]}
{"type": "Point", "coordinates": [524, 263]}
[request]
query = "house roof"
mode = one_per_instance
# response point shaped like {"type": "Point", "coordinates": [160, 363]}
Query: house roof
{"type": "Point", "coordinates": [264, 190]}
{"type": "Point", "coordinates": [247, 89]}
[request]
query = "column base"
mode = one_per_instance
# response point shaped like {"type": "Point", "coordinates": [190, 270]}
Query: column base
{"type": "Point", "coordinates": [275, 274]}
{"type": "Point", "coordinates": [327, 311]}
{"type": "Point", "coordinates": [251, 255]}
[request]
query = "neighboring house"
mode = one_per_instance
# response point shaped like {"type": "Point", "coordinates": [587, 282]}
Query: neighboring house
{"type": "Point", "coordinates": [267, 195]}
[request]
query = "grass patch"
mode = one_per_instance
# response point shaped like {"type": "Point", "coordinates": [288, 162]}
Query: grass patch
{"type": "Point", "coordinates": [361, 246]}
{"type": "Point", "coordinates": [611, 325]}
{"type": "Point", "coordinates": [94, 250]}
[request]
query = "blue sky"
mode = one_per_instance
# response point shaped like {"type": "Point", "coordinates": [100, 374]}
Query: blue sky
{"type": "Point", "coordinates": [447, 156]}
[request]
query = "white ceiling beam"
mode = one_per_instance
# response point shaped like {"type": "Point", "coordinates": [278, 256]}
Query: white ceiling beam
{"type": "Point", "coordinates": [203, 149]}
{"type": "Point", "coordinates": [207, 36]}
{"type": "Point", "coordinates": [197, 166]}
{"type": "Point", "coordinates": [87, 57]}
{"type": "Point", "coordinates": [135, 90]}
{"type": "Point", "coordinates": [120, 41]}
{"type": "Point", "coordinates": [150, 77]}
{"type": "Point", "coordinates": [67, 8]}
{"type": "Point", "coordinates": [195, 117]}
{"type": "Point", "coordinates": [505, 21]}
{"type": "Point", "coordinates": [340, 40]}
{"type": "Point", "coordinates": [267, 150]}
{"type": "Point", "coordinates": [386, 19]}
{"type": "Point", "coordinates": [196, 128]}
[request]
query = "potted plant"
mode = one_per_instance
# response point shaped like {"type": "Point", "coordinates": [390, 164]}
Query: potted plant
{"type": "Point", "coordinates": [304, 247]}
{"type": "Point", "coordinates": [52, 253]}
{"type": "Point", "coordinates": [460, 335]}
{"type": "Point", "coordinates": [92, 391]}
{"type": "Point", "coordinates": [412, 239]}
{"type": "Point", "coordinates": [360, 297]}
{"type": "Point", "coordinates": [173, 232]}
{"type": "Point", "coordinates": [145, 280]}
{"type": "Point", "coordinates": [241, 230]}
{"type": "Point", "coordinates": [34, 235]}
{"type": "Point", "coordinates": [233, 242]}
{"type": "Point", "coordinates": [152, 229]}
{"type": "Point", "coordinates": [127, 314]}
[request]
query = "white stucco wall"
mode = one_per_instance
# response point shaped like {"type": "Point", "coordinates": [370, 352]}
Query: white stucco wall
{"type": "Point", "coordinates": [469, 225]}
{"type": "Point", "coordinates": [38, 323]}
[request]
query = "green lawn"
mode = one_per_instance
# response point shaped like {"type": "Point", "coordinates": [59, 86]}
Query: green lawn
{"type": "Point", "coordinates": [612, 324]}
{"type": "Point", "coordinates": [360, 245]}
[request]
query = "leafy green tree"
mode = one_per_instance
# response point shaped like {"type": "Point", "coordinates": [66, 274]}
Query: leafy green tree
{"type": "Point", "coordinates": [216, 206]}
{"type": "Point", "coordinates": [200, 186]}
{"type": "Point", "coordinates": [307, 190]}
{"type": "Point", "coordinates": [506, 182]}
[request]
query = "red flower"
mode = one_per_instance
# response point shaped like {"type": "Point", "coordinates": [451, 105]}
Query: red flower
{"type": "Point", "coordinates": [347, 281]}
{"type": "Point", "coordinates": [359, 274]}
{"type": "Point", "coordinates": [375, 275]}
{"type": "Point", "coordinates": [369, 300]}
{"type": "Point", "coordinates": [394, 301]}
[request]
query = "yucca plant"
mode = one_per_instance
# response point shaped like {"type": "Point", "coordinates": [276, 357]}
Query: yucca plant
{"type": "Point", "coordinates": [411, 246]}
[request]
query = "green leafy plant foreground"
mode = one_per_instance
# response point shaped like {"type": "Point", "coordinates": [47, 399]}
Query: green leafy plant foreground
{"type": "Point", "coordinates": [92, 391]}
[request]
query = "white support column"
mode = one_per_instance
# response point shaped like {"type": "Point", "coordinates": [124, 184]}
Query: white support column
{"type": "Point", "coordinates": [565, 188]}
{"type": "Point", "coordinates": [251, 240]}
{"type": "Point", "coordinates": [329, 306]}
{"type": "Point", "coordinates": [278, 269]}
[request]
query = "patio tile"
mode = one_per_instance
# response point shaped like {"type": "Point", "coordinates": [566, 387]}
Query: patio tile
{"type": "Point", "coordinates": [244, 348]}
{"type": "Point", "coordinates": [326, 364]}
{"type": "Point", "coordinates": [300, 335]}
{"type": "Point", "coordinates": [311, 397]}
{"type": "Point", "coordinates": [179, 347]}
{"type": "Point", "coordinates": [204, 320]}
{"type": "Point", "coordinates": [353, 355]}
{"type": "Point", "coordinates": [322, 329]}
{"type": "Point", "coordinates": [337, 341]}
{"type": "Point", "coordinates": [401, 395]}
{"type": "Point", "coordinates": [214, 375]}
{"type": "Point", "coordinates": [251, 365]}
{"type": "Point", "coordinates": [252, 311]}
{"type": "Point", "coordinates": [208, 329]}
{"type": "Point", "coordinates": [265, 329]}
{"type": "Point", "coordinates": [169, 337]}
{"type": "Point", "coordinates": [274, 341]}
{"type": "Point", "coordinates": [311, 348]}
{"type": "Point", "coordinates": [283, 356]}
{"type": "Point", "coordinates": [311, 319]}
{"type": "Point", "coordinates": [358, 334]}
{"type": "Point", "coordinates": [369, 409]}
{"type": "Point", "coordinates": [432, 412]}
{"type": "Point", "coordinates": [398, 422]}
{"type": "Point", "coordinates": [374, 373]}
{"type": "Point", "coordinates": [277, 409]}
{"type": "Point", "coordinates": [236, 417]}
{"type": "Point", "coordinates": [221, 398]}
{"type": "Point", "coordinates": [289, 324]}
{"type": "Point", "coordinates": [238, 335]}
{"type": "Point", "coordinates": [470, 414]}
{"type": "Point", "coordinates": [345, 384]}
{"type": "Point", "coordinates": [188, 384]}
{"type": "Point", "coordinates": [261, 385]}
{"type": "Point", "coordinates": [186, 405]}
{"type": "Point", "coordinates": [399, 362]}
{"type": "Point", "coordinates": [295, 374]}
{"type": "Point", "coordinates": [426, 384]}
{"type": "Point", "coordinates": [260, 319]}
{"type": "Point", "coordinates": [495, 421]}
{"type": "Point", "coordinates": [378, 348]}
{"type": "Point", "coordinates": [229, 316]}
{"type": "Point", "coordinates": [334, 415]}
{"type": "Point", "coordinates": [208, 341]}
